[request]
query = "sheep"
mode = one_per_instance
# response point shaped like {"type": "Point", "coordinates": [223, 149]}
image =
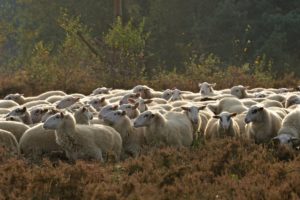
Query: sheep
{"type": "Point", "coordinates": [66, 102]}
{"type": "Point", "coordinates": [37, 114]}
{"type": "Point", "coordinates": [167, 94]}
{"type": "Point", "coordinates": [22, 113]}
{"type": "Point", "coordinates": [142, 103]}
{"type": "Point", "coordinates": [146, 92]}
{"type": "Point", "coordinates": [206, 89]}
{"type": "Point", "coordinates": [125, 98]}
{"type": "Point", "coordinates": [132, 138]}
{"type": "Point", "coordinates": [9, 142]}
{"type": "Point", "coordinates": [16, 128]}
{"type": "Point", "coordinates": [172, 129]}
{"type": "Point", "coordinates": [198, 120]}
{"type": "Point", "coordinates": [55, 98]}
{"type": "Point", "coordinates": [20, 99]}
{"type": "Point", "coordinates": [83, 115]}
{"type": "Point", "coordinates": [222, 125]}
{"type": "Point", "coordinates": [131, 110]}
{"type": "Point", "coordinates": [102, 90]}
{"type": "Point", "coordinates": [8, 103]}
{"type": "Point", "coordinates": [36, 103]}
{"type": "Point", "coordinates": [98, 103]}
{"type": "Point", "coordinates": [240, 92]}
{"type": "Point", "coordinates": [106, 109]}
{"type": "Point", "coordinates": [290, 129]}
{"type": "Point", "coordinates": [37, 143]}
{"type": "Point", "coordinates": [229, 104]}
{"type": "Point", "coordinates": [292, 100]}
{"type": "Point", "coordinates": [176, 96]}
{"type": "Point", "coordinates": [84, 141]}
{"type": "Point", "coordinates": [262, 124]}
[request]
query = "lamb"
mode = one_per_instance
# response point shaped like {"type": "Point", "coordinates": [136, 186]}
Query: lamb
{"type": "Point", "coordinates": [262, 124]}
{"type": "Point", "coordinates": [37, 143]}
{"type": "Point", "coordinates": [20, 99]}
{"type": "Point", "coordinates": [240, 92]}
{"type": "Point", "coordinates": [131, 110]}
{"type": "Point", "coordinates": [83, 115]}
{"type": "Point", "coordinates": [66, 102]}
{"type": "Point", "coordinates": [229, 104]}
{"type": "Point", "coordinates": [22, 113]}
{"type": "Point", "coordinates": [133, 138]}
{"type": "Point", "coordinates": [9, 142]}
{"type": "Point", "coordinates": [8, 104]}
{"type": "Point", "coordinates": [16, 128]}
{"type": "Point", "coordinates": [222, 125]}
{"type": "Point", "coordinates": [172, 129]}
{"type": "Point", "coordinates": [206, 89]}
{"type": "Point", "coordinates": [290, 129]}
{"type": "Point", "coordinates": [84, 141]}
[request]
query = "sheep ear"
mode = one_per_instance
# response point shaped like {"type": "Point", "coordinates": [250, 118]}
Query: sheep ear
{"type": "Point", "coordinates": [260, 109]}
{"type": "Point", "coordinates": [137, 95]}
{"type": "Point", "coordinates": [102, 99]}
{"type": "Point", "coordinates": [199, 84]}
{"type": "Point", "coordinates": [84, 109]}
{"type": "Point", "coordinates": [148, 101]}
{"type": "Point", "coordinates": [123, 112]}
{"type": "Point", "coordinates": [77, 98]}
{"type": "Point", "coordinates": [24, 109]}
{"type": "Point", "coordinates": [135, 106]}
{"type": "Point", "coordinates": [130, 100]}
{"type": "Point", "coordinates": [152, 115]}
{"type": "Point", "coordinates": [62, 115]}
{"type": "Point", "coordinates": [213, 84]}
{"type": "Point", "coordinates": [201, 107]}
{"type": "Point", "coordinates": [216, 116]}
{"type": "Point", "coordinates": [233, 114]}
{"type": "Point", "coordinates": [115, 107]}
{"type": "Point", "coordinates": [247, 87]}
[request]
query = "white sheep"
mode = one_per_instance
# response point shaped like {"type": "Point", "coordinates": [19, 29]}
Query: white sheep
{"type": "Point", "coordinates": [8, 104]}
{"type": "Point", "coordinates": [229, 104]}
{"type": "Point", "coordinates": [22, 113]}
{"type": "Point", "coordinates": [176, 96]}
{"type": "Point", "coordinates": [198, 120]}
{"type": "Point", "coordinates": [37, 143]}
{"type": "Point", "coordinates": [20, 99]}
{"type": "Point", "coordinates": [240, 92]}
{"type": "Point", "coordinates": [98, 103]}
{"type": "Point", "coordinates": [106, 109]}
{"type": "Point", "coordinates": [9, 142]}
{"type": "Point", "coordinates": [83, 115]}
{"type": "Point", "coordinates": [102, 90]}
{"type": "Point", "coordinates": [131, 110]}
{"type": "Point", "coordinates": [221, 126]}
{"type": "Point", "coordinates": [167, 94]}
{"type": "Point", "coordinates": [55, 98]}
{"type": "Point", "coordinates": [132, 138]}
{"type": "Point", "coordinates": [206, 89]}
{"type": "Point", "coordinates": [292, 100]}
{"type": "Point", "coordinates": [37, 113]}
{"type": "Point", "coordinates": [66, 102]}
{"type": "Point", "coordinates": [125, 98]}
{"type": "Point", "coordinates": [262, 124]}
{"type": "Point", "coordinates": [84, 141]}
{"type": "Point", "coordinates": [172, 129]}
{"type": "Point", "coordinates": [16, 128]}
{"type": "Point", "coordinates": [146, 92]}
{"type": "Point", "coordinates": [290, 128]}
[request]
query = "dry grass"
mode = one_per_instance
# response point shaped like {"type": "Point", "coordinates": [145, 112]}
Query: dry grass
{"type": "Point", "coordinates": [225, 169]}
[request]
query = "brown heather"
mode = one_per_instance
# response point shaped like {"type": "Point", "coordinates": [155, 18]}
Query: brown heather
{"type": "Point", "coordinates": [224, 169]}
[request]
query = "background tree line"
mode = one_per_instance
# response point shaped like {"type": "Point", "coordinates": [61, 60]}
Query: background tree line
{"type": "Point", "coordinates": [155, 40]}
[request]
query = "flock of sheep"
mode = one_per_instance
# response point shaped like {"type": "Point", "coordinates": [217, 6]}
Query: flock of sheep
{"type": "Point", "coordinates": [121, 122]}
